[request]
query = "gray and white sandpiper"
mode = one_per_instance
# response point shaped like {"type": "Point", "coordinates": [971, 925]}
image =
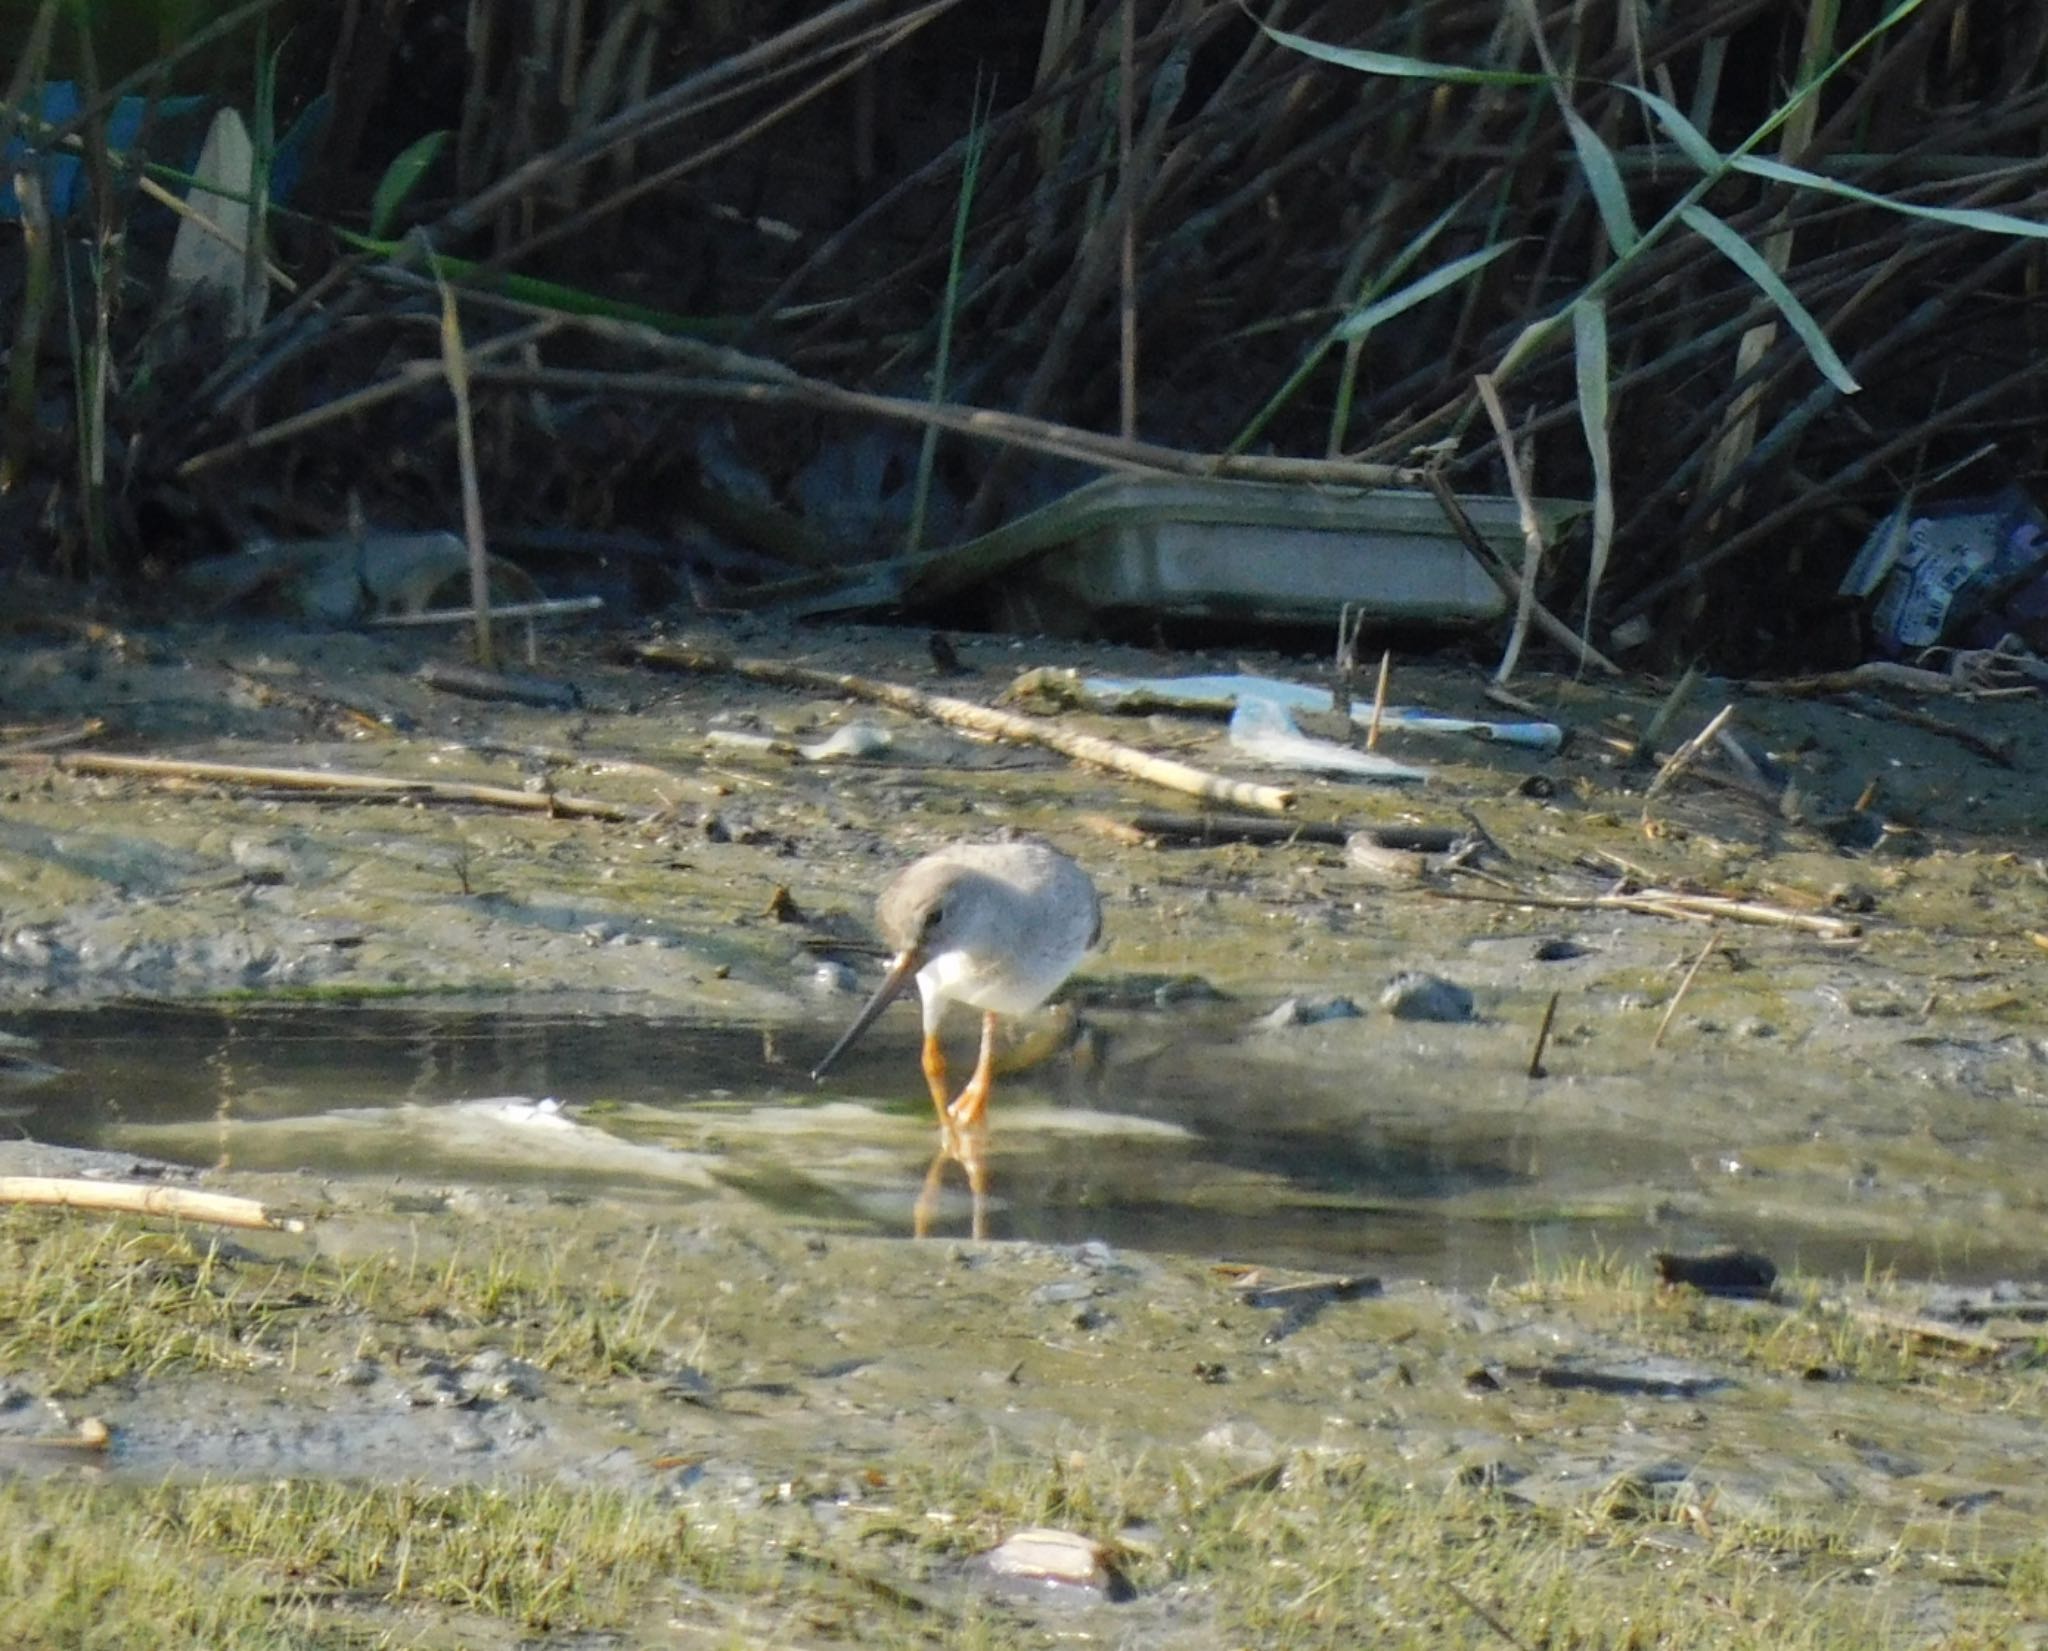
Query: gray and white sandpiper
{"type": "Point", "coordinates": [998, 927]}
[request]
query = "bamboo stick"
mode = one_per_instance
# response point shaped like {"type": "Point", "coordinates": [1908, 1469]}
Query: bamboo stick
{"type": "Point", "coordinates": [136, 1198]}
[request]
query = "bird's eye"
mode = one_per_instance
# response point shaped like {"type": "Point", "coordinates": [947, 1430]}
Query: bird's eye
{"type": "Point", "coordinates": [932, 918]}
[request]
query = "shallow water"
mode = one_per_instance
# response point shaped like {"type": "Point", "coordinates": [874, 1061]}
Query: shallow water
{"type": "Point", "coordinates": [1360, 1145]}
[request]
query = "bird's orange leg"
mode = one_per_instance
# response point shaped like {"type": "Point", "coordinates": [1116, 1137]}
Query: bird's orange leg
{"type": "Point", "coordinates": [928, 1195]}
{"type": "Point", "coordinates": [935, 1073]}
{"type": "Point", "coordinates": [967, 1124]}
{"type": "Point", "coordinates": [970, 1106]}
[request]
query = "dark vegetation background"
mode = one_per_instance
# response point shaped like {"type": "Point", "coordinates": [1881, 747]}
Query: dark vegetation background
{"type": "Point", "coordinates": [635, 185]}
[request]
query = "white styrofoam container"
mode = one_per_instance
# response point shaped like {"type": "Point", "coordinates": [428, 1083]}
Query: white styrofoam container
{"type": "Point", "coordinates": [1193, 548]}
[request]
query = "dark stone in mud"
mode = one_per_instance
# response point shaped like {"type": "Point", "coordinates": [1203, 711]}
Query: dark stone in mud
{"type": "Point", "coordinates": [1639, 1379]}
{"type": "Point", "coordinates": [1742, 1273]}
{"type": "Point", "coordinates": [1142, 991]}
{"type": "Point", "coordinates": [1306, 1011]}
{"type": "Point", "coordinates": [498, 1375]}
{"type": "Point", "coordinates": [1416, 996]}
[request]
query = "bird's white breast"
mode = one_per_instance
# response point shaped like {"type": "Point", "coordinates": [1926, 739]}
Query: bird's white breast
{"type": "Point", "coordinates": [958, 977]}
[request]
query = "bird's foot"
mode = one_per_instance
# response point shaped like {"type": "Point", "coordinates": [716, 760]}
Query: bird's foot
{"type": "Point", "coordinates": [968, 1153]}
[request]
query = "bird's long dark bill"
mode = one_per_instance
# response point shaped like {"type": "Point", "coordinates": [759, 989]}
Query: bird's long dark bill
{"type": "Point", "coordinates": [901, 972]}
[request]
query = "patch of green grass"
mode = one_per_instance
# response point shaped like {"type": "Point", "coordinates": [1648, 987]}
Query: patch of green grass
{"type": "Point", "coordinates": [1378, 1542]}
{"type": "Point", "coordinates": [87, 1300]}
{"type": "Point", "coordinates": [1804, 1331]}
{"type": "Point", "coordinates": [1337, 1551]}
{"type": "Point", "coordinates": [315, 1563]}
{"type": "Point", "coordinates": [1348, 1549]}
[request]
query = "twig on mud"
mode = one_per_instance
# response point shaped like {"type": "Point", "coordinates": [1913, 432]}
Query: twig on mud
{"type": "Point", "coordinates": [1686, 754]}
{"type": "Point", "coordinates": [978, 719]}
{"type": "Point", "coordinates": [1379, 700]}
{"type": "Point", "coordinates": [553, 803]}
{"type": "Point", "coordinates": [1481, 1613]}
{"type": "Point", "coordinates": [553, 608]}
{"type": "Point", "coordinates": [473, 682]}
{"type": "Point", "coordinates": [55, 739]}
{"type": "Point", "coordinates": [351, 720]}
{"type": "Point", "coordinates": [135, 1198]}
{"type": "Point", "coordinates": [1701, 908]}
{"type": "Point", "coordinates": [1992, 750]}
{"type": "Point", "coordinates": [1685, 985]}
{"type": "Point", "coordinates": [1543, 1037]}
{"type": "Point", "coordinates": [1912, 1327]}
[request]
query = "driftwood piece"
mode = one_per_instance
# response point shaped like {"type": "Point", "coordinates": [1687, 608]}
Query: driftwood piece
{"type": "Point", "coordinates": [136, 1198]}
{"type": "Point", "coordinates": [553, 803]}
{"type": "Point", "coordinates": [978, 719]}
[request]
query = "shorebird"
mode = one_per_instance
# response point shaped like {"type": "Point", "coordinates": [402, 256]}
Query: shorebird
{"type": "Point", "coordinates": [996, 926]}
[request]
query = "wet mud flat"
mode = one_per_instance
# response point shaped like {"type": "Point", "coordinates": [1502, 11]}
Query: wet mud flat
{"type": "Point", "coordinates": [739, 1406]}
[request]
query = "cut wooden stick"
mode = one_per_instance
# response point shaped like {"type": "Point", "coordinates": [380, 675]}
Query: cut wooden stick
{"type": "Point", "coordinates": [136, 1198]}
{"type": "Point", "coordinates": [322, 780]}
{"type": "Point", "coordinates": [979, 719]}
{"type": "Point", "coordinates": [1700, 908]}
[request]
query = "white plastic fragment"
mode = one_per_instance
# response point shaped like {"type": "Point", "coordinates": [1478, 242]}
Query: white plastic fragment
{"type": "Point", "coordinates": [1221, 693]}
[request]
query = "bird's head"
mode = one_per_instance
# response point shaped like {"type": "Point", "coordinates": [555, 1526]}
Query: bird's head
{"type": "Point", "coordinates": [931, 909]}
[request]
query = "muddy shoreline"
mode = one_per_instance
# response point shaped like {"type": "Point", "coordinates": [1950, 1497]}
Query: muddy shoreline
{"type": "Point", "coordinates": [757, 1326]}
